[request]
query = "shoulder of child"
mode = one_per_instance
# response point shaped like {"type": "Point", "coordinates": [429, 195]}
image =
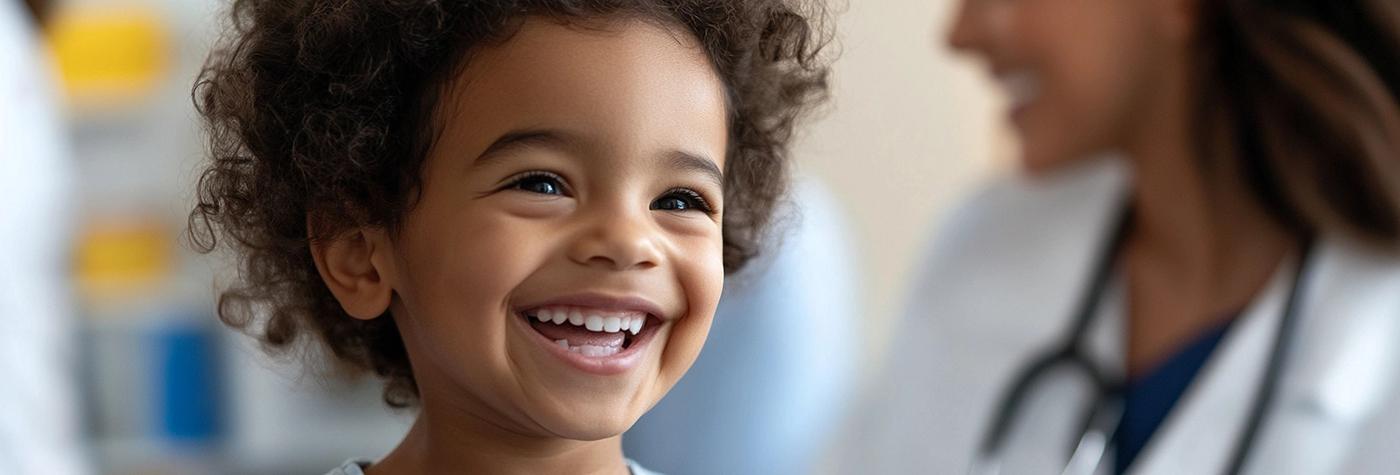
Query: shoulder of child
{"type": "Point", "coordinates": [635, 469]}
{"type": "Point", "coordinates": [357, 466]}
{"type": "Point", "coordinates": [352, 467]}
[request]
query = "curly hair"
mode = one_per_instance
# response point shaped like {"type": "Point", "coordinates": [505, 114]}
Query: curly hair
{"type": "Point", "coordinates": [322, 111]}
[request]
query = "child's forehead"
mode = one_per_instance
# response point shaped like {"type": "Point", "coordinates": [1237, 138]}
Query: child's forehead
{"type": "Point", "coordinates": [584, 49]}
{"type": "Point", "coordinates": [631, 85]}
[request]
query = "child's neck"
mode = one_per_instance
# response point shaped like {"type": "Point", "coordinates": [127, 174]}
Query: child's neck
{"type": "Point", "coordinates": [457, 442]}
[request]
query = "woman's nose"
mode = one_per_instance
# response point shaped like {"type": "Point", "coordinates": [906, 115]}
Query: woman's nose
{"type": "Point", "coordinates": [966, 33]}
{"type": "Point", "coordinates": [618, 241]}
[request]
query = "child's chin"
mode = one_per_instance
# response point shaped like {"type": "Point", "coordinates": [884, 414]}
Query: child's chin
{"type": "Point", "coordinates": [587, 415]}
{"type": "Point", "coordinates": [591, 427]}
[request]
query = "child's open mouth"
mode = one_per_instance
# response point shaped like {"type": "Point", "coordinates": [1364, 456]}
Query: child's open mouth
{"type": "Point", "coordinates": [590, 333]}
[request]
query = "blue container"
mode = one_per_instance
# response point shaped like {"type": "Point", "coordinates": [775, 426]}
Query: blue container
{"type": "Point", "coordinates": [188, 403]}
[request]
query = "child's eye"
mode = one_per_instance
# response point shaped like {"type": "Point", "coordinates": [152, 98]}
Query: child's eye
{"type": "Point", "coordinates": [682, 199]}
{"type": "Point", "coordinates": [544, 183]}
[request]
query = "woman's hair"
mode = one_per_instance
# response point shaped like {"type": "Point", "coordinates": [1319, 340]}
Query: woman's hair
{"type": "Point", "coordinates": [1299, 96]}
{"type": "Point", "coordinates": [322, 111]}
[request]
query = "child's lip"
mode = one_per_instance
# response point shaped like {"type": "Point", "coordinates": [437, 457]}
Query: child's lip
{"type": "Point", "coordinates": [609, 365]}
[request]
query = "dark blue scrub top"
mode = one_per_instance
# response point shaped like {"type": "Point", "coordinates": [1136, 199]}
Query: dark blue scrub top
{"type": "Point", "coordinates": [1149, 397]}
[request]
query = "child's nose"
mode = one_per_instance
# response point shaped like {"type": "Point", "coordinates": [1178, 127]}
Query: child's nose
{"type": "Point", "coordinates": [618, 241]}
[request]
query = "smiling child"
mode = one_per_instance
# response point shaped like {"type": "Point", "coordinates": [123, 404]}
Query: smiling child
{"type": "Point", "coordinates": [518, 214]}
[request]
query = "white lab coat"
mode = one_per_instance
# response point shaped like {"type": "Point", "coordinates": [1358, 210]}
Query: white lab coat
{"type": "Point", "coordinates": [38, 405]}
{"type": "Point", "coordinates": [999, 285]}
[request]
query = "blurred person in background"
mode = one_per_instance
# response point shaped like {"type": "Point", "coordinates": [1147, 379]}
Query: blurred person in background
{"type": "Point", "coordinates": [1197, 271]}
{"type": "Point", "coordinates": [38, 416]}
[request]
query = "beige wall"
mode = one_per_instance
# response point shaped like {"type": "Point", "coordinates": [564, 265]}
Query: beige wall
{"type": "Point", "coordinates": [913, 127]}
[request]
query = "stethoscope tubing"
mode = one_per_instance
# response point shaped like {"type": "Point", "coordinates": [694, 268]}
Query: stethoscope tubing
{"type": "Point", "coordinates": [1070, 354]}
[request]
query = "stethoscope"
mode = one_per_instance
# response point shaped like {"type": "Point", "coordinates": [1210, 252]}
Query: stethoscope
{"type": "Point", "coordinates": [1100, 419]}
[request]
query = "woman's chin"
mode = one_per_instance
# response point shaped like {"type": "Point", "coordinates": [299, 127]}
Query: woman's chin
{"type": "Point", "coordinates": [1042, 155]}
{"type": "Point", "coordinates": [1036, 163]}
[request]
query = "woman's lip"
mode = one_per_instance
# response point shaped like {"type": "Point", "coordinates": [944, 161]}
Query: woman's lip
{"type": "Point", "coordinates": [618, 363]}
{"type": "Point", "coordinates": [601, 301]}
{"type": "Point", "coordinates": [1017, 113]}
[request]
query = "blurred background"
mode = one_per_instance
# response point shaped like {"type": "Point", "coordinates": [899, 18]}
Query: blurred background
{"type": "Point", "coordinates": [160, 387]}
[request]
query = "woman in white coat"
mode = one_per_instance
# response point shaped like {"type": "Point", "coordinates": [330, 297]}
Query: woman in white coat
{"type": "Point", "coordinates": [1199, 269]}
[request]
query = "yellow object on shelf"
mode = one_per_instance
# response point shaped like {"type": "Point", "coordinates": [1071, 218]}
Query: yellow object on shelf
{"type": "Point", "coordinates": [109, 54]}
{"type": "Point", "coordinates": [125, 258]}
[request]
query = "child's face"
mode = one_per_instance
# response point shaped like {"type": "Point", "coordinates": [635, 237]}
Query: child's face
{"type": "Point", "coordinates": [571, 182]}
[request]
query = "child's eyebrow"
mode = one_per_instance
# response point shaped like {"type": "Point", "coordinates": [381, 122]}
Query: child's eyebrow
{"type": "Point", "coordinates": [547, 138]}
{"type": "Point", "coordinates": [685, 161]}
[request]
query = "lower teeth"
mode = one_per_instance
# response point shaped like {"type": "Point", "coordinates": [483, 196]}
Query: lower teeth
{"type": "Point", "coordinates": [589, 350]}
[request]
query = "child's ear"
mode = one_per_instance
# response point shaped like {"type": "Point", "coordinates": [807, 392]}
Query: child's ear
{"type": "Point", "coordinates": [354, 267]}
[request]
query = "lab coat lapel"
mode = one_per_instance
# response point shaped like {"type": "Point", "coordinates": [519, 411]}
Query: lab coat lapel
{"type": "Point", "coordinates": [1341, 368]}
{"type": "Point", "coordinates": [1200, 433]}
{"type": "Point", "coordinates": [1106, 345]}
{"type": "Point", "coordinates": [1338, 371]}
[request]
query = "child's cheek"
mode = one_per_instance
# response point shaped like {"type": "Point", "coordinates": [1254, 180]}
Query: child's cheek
{"type": "Point", "coordinates": [533, 206]}
{"type": "Point", "coordinates": [700, 272]}
{"type": "Point", "coordinates": [463, 265]}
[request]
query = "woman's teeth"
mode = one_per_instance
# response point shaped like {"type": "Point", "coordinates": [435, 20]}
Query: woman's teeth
{"type": "Point", "coordinates": [593, 321]}
{"type": "Point", "coordinates": [1020, 87]}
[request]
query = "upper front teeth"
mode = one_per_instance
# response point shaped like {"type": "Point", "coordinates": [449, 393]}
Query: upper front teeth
{"type": "Point", "coordinates": [1020, 87]}
{"type": "Point", "coordinates": [593, 320]}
